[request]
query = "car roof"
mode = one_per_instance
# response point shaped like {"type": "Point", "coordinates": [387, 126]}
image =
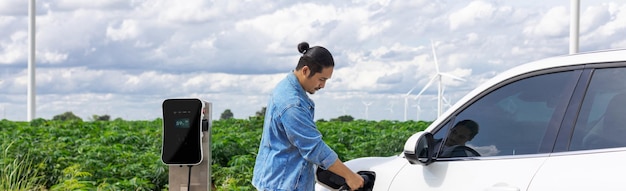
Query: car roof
{"type": "Point", "coordinates": [605, 56]}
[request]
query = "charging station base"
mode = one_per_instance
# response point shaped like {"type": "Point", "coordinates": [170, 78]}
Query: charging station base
{"type": "Point", "coordinates": [200, 174]}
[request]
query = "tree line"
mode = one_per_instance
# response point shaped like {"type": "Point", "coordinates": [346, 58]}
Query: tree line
{"type": "Point", "coordinates": [227, 114]}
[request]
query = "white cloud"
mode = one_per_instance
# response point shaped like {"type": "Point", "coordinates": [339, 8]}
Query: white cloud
{"type": "Point", "coordinates": [125, 57]}
{"type": "Point", "coordinates": [606, 23]}
{"type": "Point", "coordinates": [189, 11]}
{"type": "Point", "coordinates": [593, 17]}
{"type": "Point", "coordinates": [71, 31]}
{"type": "Point", "coordinates": [475, 12]}
{"type": "Point", "coordinates": [93, 4]}
{"type": "Point", "coordinates": [51, 57]}
{"type": "Point", "coordinates": [367, 32]}
{"type": "Point", "coordinates": [6, 20]}
{"type": "Point", "coordinates": [616, 24]}
{"type": "Point", "coordinates": [290, 22]}
{"type": "Point", "coordinates": [13, 7]}
{"type": "Point", "coordinates": [12, 49]}
{"type": "Point", "coordinates": [127, 30]}
{"type": "Point", "coordinates": [554, 23]}
{"type": "Point", "coordinates": [472, 38]}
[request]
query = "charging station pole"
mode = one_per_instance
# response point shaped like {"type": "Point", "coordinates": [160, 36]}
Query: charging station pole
{"type": "Point", "coordinates": [199, 179]}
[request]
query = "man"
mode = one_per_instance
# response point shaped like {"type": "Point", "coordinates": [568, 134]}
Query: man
{"type": "Point", "coordinates": [291, 145]}
{"type": "Point", "coordinates": [454, 146]}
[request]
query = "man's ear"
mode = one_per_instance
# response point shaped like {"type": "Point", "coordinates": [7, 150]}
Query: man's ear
{"type": "Point", "coordinates": [305, 71]}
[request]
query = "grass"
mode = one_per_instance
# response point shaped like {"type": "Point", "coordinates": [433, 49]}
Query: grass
{"type": "Point", "coordinates": [17, 172]}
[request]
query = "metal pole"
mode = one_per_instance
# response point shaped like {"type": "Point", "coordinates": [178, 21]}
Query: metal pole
{"type": "Point", "coordinates": [31, 62]}
{"type": "Point", "coordinates": [439, 96]}
{"type": "Point", "coordinates": [406, 103]}
{"type": "Point", "coordinates": [574, 22]}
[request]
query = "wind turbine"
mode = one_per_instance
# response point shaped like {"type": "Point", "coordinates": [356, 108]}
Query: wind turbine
{"type": "Point", "coordinates": [419, 110]}
{"type": "Point", "coordinates": [343, 109]}
{"type": "Point", "coordinates": [445, 101]}
{"type": "Point", "coordinates": [438, 76]}
{"type": "Point", "coordinates": [367, 105]}
{"type": "Point", "coordinates": [390, 107]}
{"type": "Point", "coordinates": [406, 100]}
{"type": "Point", "coordinates": [4, 112]}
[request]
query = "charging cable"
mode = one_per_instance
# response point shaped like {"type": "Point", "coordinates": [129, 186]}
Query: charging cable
{"type": "Point", "coordinates": [189, 179]}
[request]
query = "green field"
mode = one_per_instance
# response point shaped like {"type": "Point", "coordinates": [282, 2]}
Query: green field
{"type": "Point", "coordinates": [125, 155]}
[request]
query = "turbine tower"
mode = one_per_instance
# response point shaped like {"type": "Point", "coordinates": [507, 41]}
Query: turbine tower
{"type": "Point", "coordinates": [574, 26]}
{"type": "Point", "coordinates": [438, 76]}
{"type": "Point", "coordinates": [419, 110]}
{"type": "Point", "coordinates": [31, 94]}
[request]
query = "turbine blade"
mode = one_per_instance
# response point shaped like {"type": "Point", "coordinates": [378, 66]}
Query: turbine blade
{"type": "Point", "coordinates": [452, 76]}
{"type": "Point", "coordinates": [432, 45]}
{"type": "Point", "coordinates": [409, 92]}
{"type": "Point", "coordinates": [445, 100]}
{"type": "Point", "coordinates": [425, 87]}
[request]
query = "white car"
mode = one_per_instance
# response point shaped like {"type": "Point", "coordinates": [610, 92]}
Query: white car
{"type": "Point", "coordinates": [554, 124]}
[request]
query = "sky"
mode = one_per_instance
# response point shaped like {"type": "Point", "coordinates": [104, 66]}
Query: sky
{"type": "Point", "coordinates": [124, 58]}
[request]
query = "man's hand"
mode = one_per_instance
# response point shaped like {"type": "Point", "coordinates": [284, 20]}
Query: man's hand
{"type": "Point", "coordinates": [355, 181]}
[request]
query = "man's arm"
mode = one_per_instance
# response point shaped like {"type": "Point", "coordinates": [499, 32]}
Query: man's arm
{"type": "Point", "coordinates": [354, 180]}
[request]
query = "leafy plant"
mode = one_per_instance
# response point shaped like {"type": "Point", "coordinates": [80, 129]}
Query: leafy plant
{"type": "Point", "coordinates": [73, 180]}
{"type": "Point", "coordinates": [125, 155]}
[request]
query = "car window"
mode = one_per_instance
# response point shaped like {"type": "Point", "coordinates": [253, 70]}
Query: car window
{"type": "Point", "coordinates": [602, 118]}
{"type": "Point", "coordinates": [510, 120]}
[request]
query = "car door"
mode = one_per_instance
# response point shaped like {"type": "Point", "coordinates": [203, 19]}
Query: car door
{"type": "Point", "coordinates": [594, 143]}
{"type": "Point", "coordinates": [517, 123]}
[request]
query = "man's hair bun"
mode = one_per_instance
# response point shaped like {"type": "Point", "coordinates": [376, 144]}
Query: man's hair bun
{"type": "Point", "coordinates": [303, 47]}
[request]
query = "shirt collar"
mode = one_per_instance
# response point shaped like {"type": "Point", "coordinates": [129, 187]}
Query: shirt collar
{"type": "Point", "coordinates": [293, 80]}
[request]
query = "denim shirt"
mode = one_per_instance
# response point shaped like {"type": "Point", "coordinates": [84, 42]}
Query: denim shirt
{"type": "Point", "coordinates": [291, 145]}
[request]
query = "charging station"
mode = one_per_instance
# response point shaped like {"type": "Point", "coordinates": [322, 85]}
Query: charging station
{"type": "Point", "coordinates": [186, 142]}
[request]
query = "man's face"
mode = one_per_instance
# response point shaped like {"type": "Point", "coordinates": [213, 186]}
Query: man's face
{"type": "Point", "coordinates": [315, 82]}
{"type": "Point", "coordinates": [458, 136]}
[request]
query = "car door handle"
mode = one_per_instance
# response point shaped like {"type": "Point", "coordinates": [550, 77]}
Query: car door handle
{"type": "Point", "coordinates": [502, 187]}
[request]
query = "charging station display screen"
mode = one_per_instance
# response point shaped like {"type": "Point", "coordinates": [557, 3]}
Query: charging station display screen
{"type": "Point", "coordinates": [181, 131]}
{"type": "Point", "coordinates": [182, 123]}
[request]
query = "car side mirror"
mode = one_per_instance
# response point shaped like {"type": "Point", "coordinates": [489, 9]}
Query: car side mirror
{"type": "Point", "coordinates": [418, 149]}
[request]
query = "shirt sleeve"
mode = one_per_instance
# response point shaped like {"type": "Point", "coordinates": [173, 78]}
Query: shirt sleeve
{"type": "Point", "coordinates": [302, 132]}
